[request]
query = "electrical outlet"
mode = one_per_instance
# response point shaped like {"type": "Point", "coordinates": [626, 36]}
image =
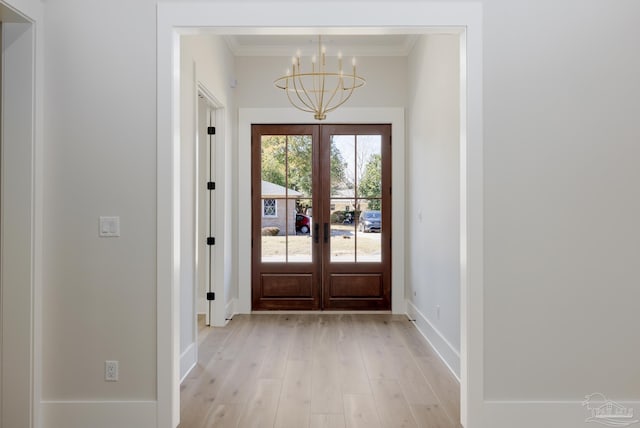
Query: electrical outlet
{"type": "Point", "coordinates": [111, 371]}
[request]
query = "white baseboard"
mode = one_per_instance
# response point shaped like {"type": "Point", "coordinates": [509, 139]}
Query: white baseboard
{"type": "Point", "coordinates": [99, 414]}
{"type": "Point", "coordinates": [188, 360]}
{"type": "Point", "coordinates": [548, 414]}
{"type": "Point", "coordinates": [449, 355]}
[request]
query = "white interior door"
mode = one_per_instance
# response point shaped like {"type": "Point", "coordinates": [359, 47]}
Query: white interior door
{"type": "Point", "coordinates": [206, 204]}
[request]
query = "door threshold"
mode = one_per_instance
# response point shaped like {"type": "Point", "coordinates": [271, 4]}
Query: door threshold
{"type": "Point", "coordinates": [326, 312]}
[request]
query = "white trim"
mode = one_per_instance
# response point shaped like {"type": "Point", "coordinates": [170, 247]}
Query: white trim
{"type": "Point", "coordinates": [226, 17]}
{"type": "Point", "coordinates": [535, 414]}
{"type": "Point", "coordinates": [168, 224]}
{"type": "Point", "coordinates": [471, 222]}
{"type": "Point", "coordinates": [188, 360]}
{"type": "Point", "coordinates": [447, 353]}
{"type": "Point", "coordinates": [220, 199]}
{"type": "Point", "coordinates": [286, 50]}
{"type": "Point", "coordinates": [230, 309]}
{"type": "Point", "coordinates": [393, 115]}
{"type": "Point", "coordinates": [201, 249]}
{"type": "Point", "coordinates": [26, 308]}
{"type": "Point", "coordinates": [98, 414]}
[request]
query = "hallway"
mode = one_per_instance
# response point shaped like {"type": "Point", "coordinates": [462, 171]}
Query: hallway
{"type": "Point", "coordinates": [325, 370]}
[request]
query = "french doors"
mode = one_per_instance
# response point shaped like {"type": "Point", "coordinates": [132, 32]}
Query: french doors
{"type": "Point", "coordinates": [321, 217]}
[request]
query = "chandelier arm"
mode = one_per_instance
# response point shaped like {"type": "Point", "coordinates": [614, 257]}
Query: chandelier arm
{"type": "Point", "coordinates": [339, 86]}
{"type": "Point", "coordinates": [295, 104]}
{"type": "Point", "coordinates": [321, 80]}
{"type": "Point", "coordinates": [345, 99]}
{"type": "Point", "coordinates": [310, 105]}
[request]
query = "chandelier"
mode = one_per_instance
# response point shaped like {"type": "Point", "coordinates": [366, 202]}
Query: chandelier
{"type": "Point", "coordinates": [319, 91]}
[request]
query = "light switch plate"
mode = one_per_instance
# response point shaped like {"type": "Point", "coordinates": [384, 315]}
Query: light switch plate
{"type": "Point", "coordinates": [109, 227]}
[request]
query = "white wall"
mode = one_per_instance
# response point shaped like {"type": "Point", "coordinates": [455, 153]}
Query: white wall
{"type": "Point", "coordinates": [205, 60]}
{"type": "Point", "coordinates": [433, 193]}
{"type": "Point", "coordinates": [100, 159]}
{"type": "Point", "coordinates": [561, 204]}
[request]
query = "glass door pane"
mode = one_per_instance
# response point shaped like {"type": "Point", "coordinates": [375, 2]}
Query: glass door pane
{"type": "Point", "coordinates": [369, 197]}
{"type": "Point", "coordinates": [286, 192]}
{"type": "Point", "coordinates": [355, 198]}
{"type": "Point", "coordinates": [342, 198]}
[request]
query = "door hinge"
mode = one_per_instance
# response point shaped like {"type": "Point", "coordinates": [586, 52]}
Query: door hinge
{"type": "Point", "coordinates": [211, 241]}
{"type": "Point", "coordinates": [211, 185]}
{"type": "Point", "coordinates": [211, 295]}
{"type": "Point", "coordinates": [211, 130]}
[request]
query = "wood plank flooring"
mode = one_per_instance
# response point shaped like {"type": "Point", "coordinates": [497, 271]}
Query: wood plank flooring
{"type": "Point", "coordinates": [318, 371]}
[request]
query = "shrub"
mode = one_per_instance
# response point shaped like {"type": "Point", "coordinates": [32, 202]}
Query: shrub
{"type": "Point", "coordinates": [270, 231]}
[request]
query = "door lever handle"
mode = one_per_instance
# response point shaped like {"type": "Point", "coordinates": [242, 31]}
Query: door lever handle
{"type": "Point", "coordinates": [326, 233]}
{"type": "Point", "coordinates": [316, 230]}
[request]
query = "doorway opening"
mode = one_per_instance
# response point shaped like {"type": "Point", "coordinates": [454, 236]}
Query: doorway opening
{"type": "Point", "coordinates": [321, 217]}
{"type": "Point", "coordinates": [222, 18]}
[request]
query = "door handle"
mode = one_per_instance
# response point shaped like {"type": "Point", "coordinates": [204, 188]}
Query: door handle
{"type": "Point", "coordinates": [326, 233]}
{"type": "Point", "coordinates": [316, 230]}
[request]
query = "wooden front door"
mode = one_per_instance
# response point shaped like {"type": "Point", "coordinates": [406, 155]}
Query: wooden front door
{"type": "Point", "coordinates": [321, 217]}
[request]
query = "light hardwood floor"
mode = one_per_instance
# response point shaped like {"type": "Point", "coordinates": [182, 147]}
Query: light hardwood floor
{"type": "Point", "coordinates": [318, 371]}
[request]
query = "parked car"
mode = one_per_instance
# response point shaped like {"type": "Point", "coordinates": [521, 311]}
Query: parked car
{"type": "Point", "coordinates": [303, 223]}
{"type": "Point", "coordinates": [370, 221]}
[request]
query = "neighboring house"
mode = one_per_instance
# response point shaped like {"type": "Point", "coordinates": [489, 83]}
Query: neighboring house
{"type": "Point", "coordinates": [279, 207]}
{"type": "Point", "coordinates": [343, 200]}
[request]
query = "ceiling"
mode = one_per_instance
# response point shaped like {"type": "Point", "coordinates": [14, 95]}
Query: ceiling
{"type": "Point", "coordinates": [350, 45]}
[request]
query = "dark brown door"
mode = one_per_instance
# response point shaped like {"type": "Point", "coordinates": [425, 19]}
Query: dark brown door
{"type": "Point", "coordinates": [356, 262]}
{"type": "Point", "coordinates": [321, 217]}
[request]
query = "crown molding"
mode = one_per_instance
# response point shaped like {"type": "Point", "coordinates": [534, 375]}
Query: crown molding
{"type": "Point", "coordinates": [286, 50]}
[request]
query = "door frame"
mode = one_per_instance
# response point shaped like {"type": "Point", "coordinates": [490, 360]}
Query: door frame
{"type": "Point", "coordinates": [175, 18]}
{"type": "Point", "coordinates": [320, 267]}
{"type": "Point", "coordinates": [391, 115]}
{"type": "Point", "coordinates": [22, 200]}
{"type": "Point", "coordinates": [218, 309]}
